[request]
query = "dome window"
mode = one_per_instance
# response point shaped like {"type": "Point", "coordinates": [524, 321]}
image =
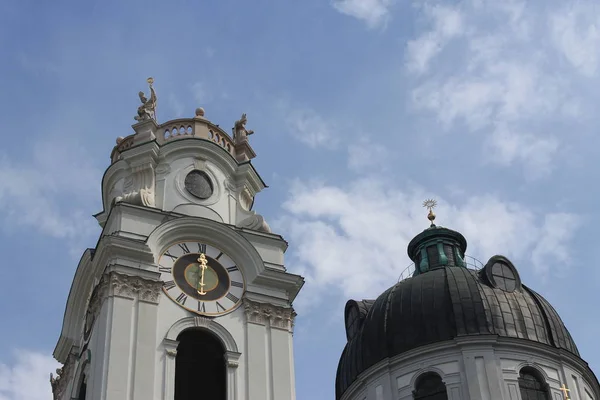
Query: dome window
{"type": "Point", "coordinates": [502, 274]}
{"type": "Point", "coordinates": [532, 385]}
{"type": "Point", "coordinates": [430, 386]}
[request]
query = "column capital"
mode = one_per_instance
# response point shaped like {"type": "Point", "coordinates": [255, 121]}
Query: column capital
{"type": "Point", "coordinates": [264, 313]}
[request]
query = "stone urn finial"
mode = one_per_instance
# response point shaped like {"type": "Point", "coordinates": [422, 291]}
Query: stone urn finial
{"type": "Point", "coordinates": [199, 112]}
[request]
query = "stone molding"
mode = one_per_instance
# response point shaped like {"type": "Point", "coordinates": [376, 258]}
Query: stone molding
{"type": "Point", "coordinates": [276, 316]}
{"type": "Point", "coordinates": [232, 355]}
{"type": "Point", "coordinates": [203, 323]}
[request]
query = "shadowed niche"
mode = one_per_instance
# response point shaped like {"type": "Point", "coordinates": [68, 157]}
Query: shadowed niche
{"type": "Point", "coordinates": [200, 371]}
{"type": "Point", "coordinates": [429, 386]}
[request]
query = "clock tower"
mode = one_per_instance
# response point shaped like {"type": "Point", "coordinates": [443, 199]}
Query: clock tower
{"type": "Point", "coordinates": [186, 295]}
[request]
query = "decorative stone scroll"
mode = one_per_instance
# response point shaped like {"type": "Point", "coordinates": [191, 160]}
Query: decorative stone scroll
{"type": "Point", "coordinates": [277, 317]}
{"type": "Point", "coordinates": [256, 222]}
{"type": "Point", "coordinates": [139, 188]}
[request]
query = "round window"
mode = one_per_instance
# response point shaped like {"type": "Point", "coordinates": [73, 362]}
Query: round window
{"type": "Point", "coordinates": [198, 184]}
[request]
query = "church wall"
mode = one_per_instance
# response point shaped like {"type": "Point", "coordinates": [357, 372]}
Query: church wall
{"type": "Point", "coordinates": [174, 193]}
{"type": "Point", "coordinates": [270, 247]}
{"type": "Point", "coordinates": [258, 362]}
{"type": "Point", "coordinates": [145, 358]}
{"type": "Point", "coordinates": [98, 343]}
{"type": "Point", "coordinates": [282, 363]}
{"type": "Point", "coordinates": [486, 369]}
{"type": "Point", "coordinates": [118, 377]}
{"type": "Point", "coordinates": [133, 342]}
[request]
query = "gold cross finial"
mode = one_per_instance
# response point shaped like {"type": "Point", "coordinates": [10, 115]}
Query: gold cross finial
{"type": "Point", "coordinates": [430, 205]}
{"type": "Point", "coordinates": [565, 391]}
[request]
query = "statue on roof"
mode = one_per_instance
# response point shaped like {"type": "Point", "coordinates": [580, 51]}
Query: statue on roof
{"type": "Point", "coordinates": [240, 133]}
{"type": "Point", "coordinates": [148, 108]}
{"type": "Point", "coordinates": [55, 382]}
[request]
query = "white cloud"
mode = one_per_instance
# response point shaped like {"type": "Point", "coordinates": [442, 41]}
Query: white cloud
{"type": "Point", "coordinates": [553, 246]}
{"type": "Point", "coordinates": [576, 34]}
{"type": "Point", "coordinates": [375, 13]}
{"type": "Point", "coordinates": [28, 378]}
{"type": "Point", "coordinates": [201, 93]}
{"type": "Point", "coordinates": [310, 128]}
{"type": "Point", "coordinates": [352, 240]}
{"type": "Point", "coordinates": [447, 23]}
{"type": "Point", "coordinates": [364, 154]}
{"type": "Point", "coordinates": [176, 106]}
{"type": "Point", "coordinates": [502, 78]}
{"type": "Point", "coordinates": [47, 190]}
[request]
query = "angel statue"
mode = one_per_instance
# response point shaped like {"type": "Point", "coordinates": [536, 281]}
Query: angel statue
{"type": "Point", "coordinates": [240, 133]}
{"type": "Point", "coordinates": [148, 108]}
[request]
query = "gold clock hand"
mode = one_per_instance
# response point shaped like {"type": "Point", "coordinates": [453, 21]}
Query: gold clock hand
{"type": "Point", "coordinates": [202, 260]}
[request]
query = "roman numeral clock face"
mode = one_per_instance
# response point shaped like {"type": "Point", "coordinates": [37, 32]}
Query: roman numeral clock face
{"type": "Point", "coordinates": [201, 278]}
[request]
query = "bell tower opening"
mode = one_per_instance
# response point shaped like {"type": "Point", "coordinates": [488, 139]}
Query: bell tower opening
{"type": "Point", "coordinates": [200, 370]}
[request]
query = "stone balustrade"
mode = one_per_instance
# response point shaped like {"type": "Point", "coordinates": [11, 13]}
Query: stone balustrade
{"type": "Point", "coordinates": [178, 129]}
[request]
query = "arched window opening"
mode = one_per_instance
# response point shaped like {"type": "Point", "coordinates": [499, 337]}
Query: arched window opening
{"type": "Point", "coordinates": [532, 385]}
{"type": "Point", "coordinates": [429, 386]}
{"type": "Point", "coordinates": [200, 370]}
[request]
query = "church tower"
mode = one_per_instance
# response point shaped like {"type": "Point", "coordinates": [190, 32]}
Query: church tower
{"type": "Point", "coordinates": [186, 295]}
{"type": "Point", "coordinates": [452, 328]}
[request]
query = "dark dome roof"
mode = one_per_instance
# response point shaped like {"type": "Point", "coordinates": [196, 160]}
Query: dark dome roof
{"type": "Point", "coordinates": [443, 303]}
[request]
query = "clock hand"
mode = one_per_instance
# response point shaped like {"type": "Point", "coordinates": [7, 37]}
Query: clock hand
{"type": "Point", "coordinates": [202, 260]}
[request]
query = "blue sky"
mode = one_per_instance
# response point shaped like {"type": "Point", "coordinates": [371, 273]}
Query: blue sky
{"type": "Point", "coordinates": [361, 108]}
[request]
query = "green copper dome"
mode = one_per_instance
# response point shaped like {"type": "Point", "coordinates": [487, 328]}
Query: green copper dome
{"type": "Point", "coordinates": [437, 247]}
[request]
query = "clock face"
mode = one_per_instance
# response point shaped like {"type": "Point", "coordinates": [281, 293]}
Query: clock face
{"type": "Point", "coordinates": [201, 278]}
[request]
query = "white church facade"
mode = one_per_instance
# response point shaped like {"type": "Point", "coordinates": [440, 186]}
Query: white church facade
{"type": "Point", "coordinates": [186, 296]}
{"type": "Point", "coordinates": [145, 317]}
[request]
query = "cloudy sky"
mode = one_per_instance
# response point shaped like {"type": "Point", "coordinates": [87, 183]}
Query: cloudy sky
{"type": "Point", "coordinates": [362, 109]}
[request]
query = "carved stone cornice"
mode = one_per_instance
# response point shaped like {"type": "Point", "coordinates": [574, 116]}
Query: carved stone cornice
{"type": "Point", "coordinates": [120, 285]}
{"type": "Point", "coordinates": [98, 295]}
{"type": "Point", "coordinates": [275, 316]}
{"type": "Point", "coordinates": [133, 287]}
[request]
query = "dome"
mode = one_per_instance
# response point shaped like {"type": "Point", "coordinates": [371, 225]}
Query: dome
{"type": "Point", "coordinates": [441, 301]}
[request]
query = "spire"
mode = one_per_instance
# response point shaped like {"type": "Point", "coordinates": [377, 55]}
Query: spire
{"type": "Point", "coordinates": [436, 247]}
